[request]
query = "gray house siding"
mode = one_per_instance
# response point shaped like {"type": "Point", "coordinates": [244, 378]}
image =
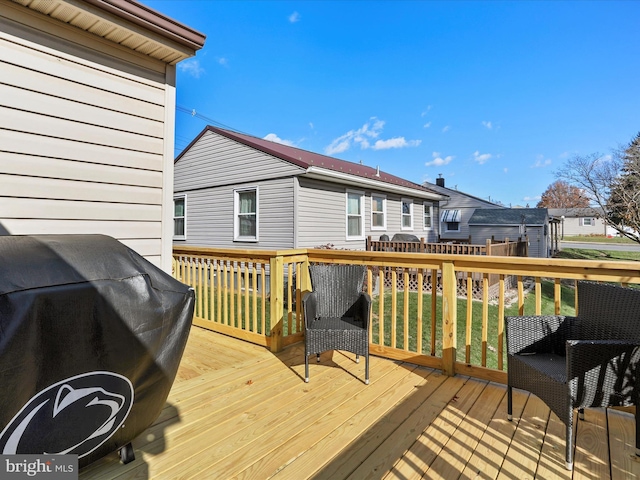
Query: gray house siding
{"type": "Point", "coordinates": [210, 216]}
{"type": "Point", "coordinates": [215, 160]}
{"type": "Point", "coordinates": [466, 204]}
{"type": "Point", "coordinates": [537, 241]}
{"type": "Point", "coordinates": [321, 214]}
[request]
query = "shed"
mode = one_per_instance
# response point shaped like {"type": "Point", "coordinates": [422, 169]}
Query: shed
{"type": "Point", "coordinates": [513, 223]}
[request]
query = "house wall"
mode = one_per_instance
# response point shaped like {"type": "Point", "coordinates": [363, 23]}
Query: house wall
{"type": "Point", "coordinates": [86, 133]}
{"type": "Point", "coordinates": [321, 217]}
{"type": "Point", "coordinates": [571, 226]}
{"type": "Point", "coordinates": [467, 205]}
{"type": "Point", "coordinates": [208, 174]}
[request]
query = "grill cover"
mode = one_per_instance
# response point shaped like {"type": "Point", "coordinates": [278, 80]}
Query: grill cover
{"type": "Point", "coordinates": [91, 336]}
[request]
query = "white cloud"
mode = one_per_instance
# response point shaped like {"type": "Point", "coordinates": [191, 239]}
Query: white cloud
{"type": "Point", "coordinates": [397, 142]}
{"type": "Point", "coordinates": [272, 137]}
{"type": "Point", "coordinates": [223, 61]}
{"type": "Point", "coordinates": [191, 67]}
{"type": "Point", "coordinates": [532, 199]}
{"type": "Point", "coordinates": [362, 137]}
{"type": "Point", "coordinates": [438, 160]}
{"type": "Point", "coordinates": [427, 125]}
{"type": "Point", "coordinates": [294, 17]}
{"type": "Point", "coordinates": [446, 129]}
{"type": "Point", "coordinates": [481, 158]}
{"type": "Point", "coordinates": [541, 162]}
{"type": "Point", "coordinates": [426, 110]}
{"type": "Point", "coordinates": [487, 124]}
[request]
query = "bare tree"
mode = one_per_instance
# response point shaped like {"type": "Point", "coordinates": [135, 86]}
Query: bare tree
{"type": "Point", "coordinates": [612, 183]}
{"type": "Point", "coordinates": [562, 195]}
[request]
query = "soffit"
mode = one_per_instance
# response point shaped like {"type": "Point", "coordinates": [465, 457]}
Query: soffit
{"type": "Point", "coordinates": [127, 23]}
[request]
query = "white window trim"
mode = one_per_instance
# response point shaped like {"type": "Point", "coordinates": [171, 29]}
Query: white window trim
{"type": "Point", "coordinates": [184, 236]}
{"type": "Point", "coordinates": [384, 212]}
{"type": "Point", "coordinates": [236, 212]}
{"type": "Point", "coordinates": [410, 201]}
{"type": "Point", "coordinates": [430, 205]}
{"type": "Point", "coordinates": [346, 215]}
{"type": "Point", "coordinates": [591, 220]}
{"type": "Point", "coordinates": [446, 227]}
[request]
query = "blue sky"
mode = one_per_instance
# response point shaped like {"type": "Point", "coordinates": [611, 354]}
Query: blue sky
{"type": "Point", "coordinates": [495, 96]}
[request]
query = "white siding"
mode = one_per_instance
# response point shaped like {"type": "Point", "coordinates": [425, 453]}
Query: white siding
{"type": "Point", "coordinates": [83, 130]}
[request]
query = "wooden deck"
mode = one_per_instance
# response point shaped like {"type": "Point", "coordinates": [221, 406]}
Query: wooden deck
{"type": "Point", "coordinates": [238, 411]}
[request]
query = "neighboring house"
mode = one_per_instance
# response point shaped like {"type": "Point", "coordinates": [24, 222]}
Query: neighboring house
{"type": "Point", "coordinates": [513, 223]}
{"type": "Point", "coordinates": [238, 191]}
{"type": "Point", "coordinates": [456, 211]}
{"type": "Point", "coordinates": [87, 106]}
{"type": "Point", "coordinates": [579, 221]}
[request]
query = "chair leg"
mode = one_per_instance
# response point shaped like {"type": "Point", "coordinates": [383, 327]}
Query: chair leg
{"type": "Point", "coordinates": [569, 443]}
{"type": "Point", "coordinates": [318, 357]}
{"type": "Point", "coordinates": [637, 432]}
{"type": "Point", "coordinates": [306, 368]}
{"type": "Point", "coordinates": [357, 358]}
{"type": "Point", "coordinates": [581, 413]}
{"type": "Point", "coordinates": [509, 402]}
{"type": "Point", "coordinates": [366, 369]}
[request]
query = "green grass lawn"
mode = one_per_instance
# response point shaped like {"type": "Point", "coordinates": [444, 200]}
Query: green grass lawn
{"type": "Point", "coordinates": [567, 308]}
{"type": "Point", "coordinates": [597, 239]}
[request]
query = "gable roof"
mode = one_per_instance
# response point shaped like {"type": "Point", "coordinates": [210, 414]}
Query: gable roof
{"type": "Point", "coordinates": [509, 216]}
{"type": "Point", "coordinates": [576, 212]}
{"type": "Point", "coordinates": [316, 165]}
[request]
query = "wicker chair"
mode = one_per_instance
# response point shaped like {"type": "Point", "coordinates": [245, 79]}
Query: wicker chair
{"type": "Point", "coordinates": [336, 313]}
{"type": "Point", "coordinates": [590, 360]}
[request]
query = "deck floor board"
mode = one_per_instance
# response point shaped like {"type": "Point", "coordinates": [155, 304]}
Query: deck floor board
{"type": "Point", "coordinates": [236, 410]}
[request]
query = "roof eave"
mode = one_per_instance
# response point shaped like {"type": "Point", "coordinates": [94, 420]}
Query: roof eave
{"type": "Point", "coordinates": [362, 182]}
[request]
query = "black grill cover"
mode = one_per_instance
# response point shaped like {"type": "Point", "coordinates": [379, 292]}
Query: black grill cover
{"type": "Point", "coordinates": [91, 336]}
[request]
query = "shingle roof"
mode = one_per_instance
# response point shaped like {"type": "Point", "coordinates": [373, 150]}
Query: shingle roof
{"type": "Point", "coordinates": [509, 216]}
{"type": "Point", "coordinates": [306, 159]}
{"type": "Point", "coordinates": [576, 212]}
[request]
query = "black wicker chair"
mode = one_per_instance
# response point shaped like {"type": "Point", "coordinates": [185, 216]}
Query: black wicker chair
{"type": "Point", "coordinates": [590, 360]}
{"type": "Point", "coordinates": [336, 313]}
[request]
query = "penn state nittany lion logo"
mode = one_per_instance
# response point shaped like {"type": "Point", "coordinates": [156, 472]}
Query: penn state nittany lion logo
{"type": "Point", "coordinates": [74, 416]}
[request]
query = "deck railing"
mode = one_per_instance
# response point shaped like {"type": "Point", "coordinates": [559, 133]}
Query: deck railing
{"type": "Point", "coordinates": [256, 295]}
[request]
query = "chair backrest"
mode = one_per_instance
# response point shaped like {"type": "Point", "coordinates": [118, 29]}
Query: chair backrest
{"type": "Point", "coordinates": [338, 287]}
{"type": "Point", "coordinates": [608, 311]}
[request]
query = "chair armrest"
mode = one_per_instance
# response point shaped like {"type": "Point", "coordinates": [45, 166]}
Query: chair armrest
{"type": "Point", "coordinates": [585, 355]}
{"type": "Point", "coordinates": [309, 306]}
{"type": "Point", "coordinates": [364, 307]}
{"type": "Point", "coordinates": [537, 333]}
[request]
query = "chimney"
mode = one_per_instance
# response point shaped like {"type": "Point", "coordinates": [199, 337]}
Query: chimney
{"type": "Point", "coordinates": [440, 181]}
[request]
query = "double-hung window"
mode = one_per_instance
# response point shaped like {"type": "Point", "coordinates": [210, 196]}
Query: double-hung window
{"type": "Point", "coordinates": [378, 212]}
{"type": "Point", "coordinates": [428, 215]}
{"type": "Point", "coordinates": [407, 214]}
{"type": "Point", "coordinates": [355, 215]}
{"type": "Point", "coordinates": [246, 215]}
{"type": "Point", "coordinates": [587, 222]}
{"type": "Point", "coordinates": [180, 217]}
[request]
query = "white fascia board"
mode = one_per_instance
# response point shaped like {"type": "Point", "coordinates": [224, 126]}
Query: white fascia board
{"type": "Point", "coordinates": [353, 180]}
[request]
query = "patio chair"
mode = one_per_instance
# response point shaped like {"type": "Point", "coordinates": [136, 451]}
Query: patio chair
{"type": "Point", "coordinates": [590, 360]}
{"type": "Point", "coordinates": [336, 313]}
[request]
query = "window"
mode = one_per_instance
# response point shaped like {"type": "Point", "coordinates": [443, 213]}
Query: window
{"type": "Point", "coordinates": [428, 215]}
{"type": "Point", "coordinates": [246, 215]}
{"type": "Point", "coordinates": [407, 214]}
{"type": "Point", "coordinates": [451, 220]}
{"type": "Point", "coordinates": [587, 222]}
{"type": "Point", "coordinates": [378, 212]}
{"type": "Point", "coordinates": [355, 215]}
{"type": "Point", "coordinates": [180, 218]}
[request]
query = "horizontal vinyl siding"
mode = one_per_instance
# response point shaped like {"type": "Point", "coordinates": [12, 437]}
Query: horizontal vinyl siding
{"type": "Point", "coordinates": [81, 135]}
{"type": "Point", "coordinates": [322, 216]}
{"type": "Point", "coordinates": [215, 160]}
{"type": "Point", "coordinates": [467, 205]}
{"type": "Point", "coordinates": [210, 216]}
